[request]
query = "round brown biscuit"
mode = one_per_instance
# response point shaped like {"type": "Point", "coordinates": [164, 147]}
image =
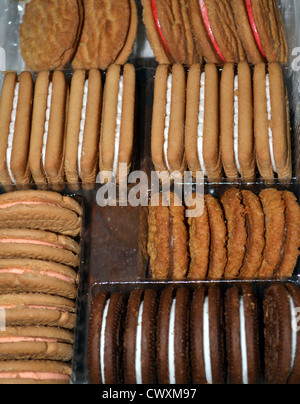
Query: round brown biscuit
{"type": "Point", "coordinates": [131, 36]}
{"type": "Point", "coordinates": [147, 334]}
{"type": "Point", "coordinates": [49, 33]}
{"type": "Point", "coordinates": [34, 372]}
{"type": "Point", "coordinates": [107, 22]}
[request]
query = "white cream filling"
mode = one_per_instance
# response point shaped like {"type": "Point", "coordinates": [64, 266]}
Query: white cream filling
{"type": "Point", "coordinates": [236, 124]}
{"type": "Point", "coordinates": [200, 129]}
{"type": "Point", "coordinates": [118, 126]}
{"type": "Point", "coordinates": [206, 342]}
{"type": "Point", "coordinates": [167, 119]}
{"type": "Point", "coordinates": [171, 356]}
{"type": "Point", "coordinates": [243, 341]}
{"type": "Point", "coordinates": [269, 112]}
{"type": "Point", "coordinates": [294, 333]}
{"type": "Point", "coordinates": [11, 134]}
{"type": "Point", "coordinates": [138, 346]}
{"type": "Point", "coordinates": [102, 341]}
{"type": "Point", "coordinates": [82, 125]}
{"type": "Point", "coordinates": [46, 127]}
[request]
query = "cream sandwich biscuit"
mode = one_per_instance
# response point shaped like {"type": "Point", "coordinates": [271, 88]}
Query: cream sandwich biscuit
{"type": "Point", "coordinates": [139, 338]}
{"type": "Point", "coordinates": [117, 129]}
{"type": "Point", "coordinates": [35, 343]}
{"type": "Point", "coordinates": [38, 309]}
{"type": "Point", "coordinates": [202, 139]}
{"type": "Point", "coordinates": [242, 336]}
{"type": "Point", "coordinates": [104, 336]}
{"type": "Point", "coordinates": [207, 337]}
{"type": "Point", "coordinates": [236, 122]}
{"type": "Point", "coordinates": [83, 127]}
{"type": "Point", "coordinates": [37, 244]}
{"type": "Point", "coordinates": [271, 122]}
{"type": "Point", "coordinates": [15, 125]}
{"type": "Point", "coordinates": [173, 336]}
{"type": "Point", "coordinates": [47, 141]}
{"type": "Point", "coordinates": [41, 210]}
{"type": "Point", "coordinates": [281, 336]}
{"type": "Point", "coordinates": [34, 372]}
{"type": "Point", "coordinates": [168, 119]}
{"type": "Point", "coordinates": [35, 276]}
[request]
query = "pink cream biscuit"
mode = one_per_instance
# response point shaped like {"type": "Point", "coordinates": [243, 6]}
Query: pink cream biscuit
{"type": "Point", "coordinates": [33, 375]}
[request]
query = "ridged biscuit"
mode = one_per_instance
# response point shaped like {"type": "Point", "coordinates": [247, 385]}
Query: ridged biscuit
{"type": "Point", "coordinates": [49, 33]}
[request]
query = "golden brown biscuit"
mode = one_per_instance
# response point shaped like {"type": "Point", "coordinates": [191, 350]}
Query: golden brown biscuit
{"type": "Point", "coordinates": [117, 130]}
{"type": "Point", "coordinates": [271, 122]}
{"type": "Point", "coordinates": [167, 239]}
{"type": "Point", "coordinates": [47, 141]}
{"type": "Point", "coordinates": [15, 123]}
{"type": "Point", "coordinates": [167, 136]}
{"type": "Point", "coordinates": [236, 122]}
{"type": "Point", "coordinates": [202, 142]}
{"type": "Point", "coordinates": [49, 33]}
{"type": "Point", "coordinates": [83, 127]}
{"type": "Point", "coordinates": [109, 28]}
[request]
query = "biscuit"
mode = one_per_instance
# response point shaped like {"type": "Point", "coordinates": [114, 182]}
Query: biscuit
{"type": "Point", "coordinates": [117, 129]}
{"type": "Point", "coordinates": [108, 23]}
{"type": "Point", "coordinates": [34, 372]}
{"type": "Point", "coordinates": [47, 140]}
{"type": "Point", "coordinates": [83, 127]}
{"type": "Point", "coordinates": [271, 122]}
{"type": "Point", "coordinates": [168, 119]}
{"type": "Point", "coordinates": [15, 124]}
{"type": "Point", "coordinates": [41, 210]}
{"type": "Point", "coordinates": [49, 33]}
{"type": "Point", "coordinates": [236, 122]}
{"type": "Point", "coordinates": [202, 140]}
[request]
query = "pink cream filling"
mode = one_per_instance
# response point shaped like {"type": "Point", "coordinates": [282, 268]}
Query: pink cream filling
{"type": "Point", "coordinates": [31, 306]}
{"type": "Point", "coordinates": [16, 271]}
{"type": "Point", "coordinates": [34, 375]}
{"type": "Point", "coordinates": [154, 9]}
{"type": "Point", "coordinates": [26, 241]}
{"type": "Point", "coordinates": [11, 204]}
{"type": "Point", "coordinates": [254, 27]}
{"type": "Point", "coordinates": [4, 340]}
{"type": "Point", "coordinates": [209, 30]}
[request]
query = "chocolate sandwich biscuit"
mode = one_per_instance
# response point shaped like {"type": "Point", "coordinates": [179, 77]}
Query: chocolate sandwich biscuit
{"type": "Point", "coordinates": [47, 141]}
{"type": "Point", "coordinates": [281, 336]}
{"type": "Point", "coordinates": [271, 122]}
{"type": "Point", "coordinates": [41, 210]}
{"type": "Point", "coordinates": [105, 340]}
{"type": "Point", "coordinates": [242, 335]}
{"type": "Point", "coordinates": [37, 309]}
{"type": "Point", "coordinates": [202, 141]}
{"type": "Point", "coordinates": [169, 31]}
{"type": "Point", "coordinates": [261, 30]}
{"type": "Point", "coordinates": [234, 211]}
{"type": "Point", "coordinates": [167, 238]}
{"type": "Point", "coordinates": [207, 339]}
{"type": "Point", "coordinates": [15, 125]}
{"type": "Point", "coordinates": [236, 122]}
{"type": "Point", "coordinates": [139, 338]}
{"type": "Point", "coordinates": [83, 127]}
{"type": "Point", "coordinates": [37, 244]}
{"type": "Point", "coordinates": [34, 372]}
{"type": "Point", "coordinates": [49, 33]}
{"type": "Point", "coordinates": [219, 42]}
{"type": "Point", "coordinates": [117, 129]}
{"type": "Point", "coordinates": [173, 336]}
{"type": "Point", "coordinates": [113, 25]}
{"type": "Point", "coordinates": [36, 343]}
{"type": "Point", "coordinates": [35, 276]}
{"type": "Point", "coordinates": [168, 119]}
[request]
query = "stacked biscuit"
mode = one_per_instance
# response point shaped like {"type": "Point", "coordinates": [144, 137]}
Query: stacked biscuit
{"type": "Point", "coordinates": [199, 336]}
{"type": "Point", "coordinates": [234, 124]}
{"type": "Point", "coordinates": [51, 134]}
{"type": "Point", "coordinates": [241, 236]}
{"type": "Point", "coordinates": [39, 257]}
{"type": "Point", "coordinates": [53, 34]}
{"type": "Point", "coordinates": [180, 31]}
